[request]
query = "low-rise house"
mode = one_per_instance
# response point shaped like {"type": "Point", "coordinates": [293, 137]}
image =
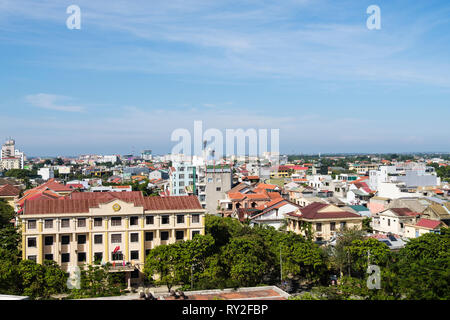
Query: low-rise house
{"type": "Point", "coordinates": [423, 226]}
{"type": "Point", "coordinates": [325, 220]}
{"type": "Point", "coordinates": [273, 213]}
{"type": "Point", "coordinates": [393, 221]}
{"type": "Point", "coordinates": [10, 194]}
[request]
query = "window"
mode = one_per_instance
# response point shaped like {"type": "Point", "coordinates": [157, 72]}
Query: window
{"type": "Point", "coordinates": [181, 176]}
{"type": "Point", "coordinates": [210, 180]}
{"type": "Point", "coordinates": [31, 242]}
{"type": "Point", "coordinates": [332, 226]}
{"type": "Point", "coordinates": [149, 220]}
{"type": "Point", "coordinates": [164, 219]}
{"type": "Point", "coordinates": [117, 256]}
{"type": "Point", "coordinates": [318, 227]}
{"type": "Point", "coordinates": [164, 235]}
{"type": "Point", "coordinates": [181, 168]}
{"type": "Point", "coordinates": [48, 240]}
{"type": "Point", "coordinates": [389, 222]}
{"type": "Point", "coordinates": [134, 255]}
{"type": "Point", "coordinates": [149, 236]}
{"type": "Point", "coordinates": [81, 222]}
{"type": "Point", "coordinates": [180, 218]}
{"type": "Point", "coordinates": [48, 256]}
{"type": "Point", "coordinates": [31, 224]}
{"type": "Point", "coordinates": [116, 221]}
{"type": "Point", "coordinates": [116, 238]}
{"type": "Point", "coordinates": [65, 223]}
{"type": "Point", "coordinates": [179, 235]}
{"type": "Point", "coordinates": [195, 233]}
{"type": "Point", "coordinates": [81, 239]}
{"type": "Point", "coordinates": [343, 225]}
{"type": "Point", "coordinates": [32, 258]}
{"type": "Point", "coordinates": [147, 252]}
{"type": "Point", "coordinates": [65, 239]}
{"type": "Point", "coordinates": [134, 237]}
{"type": "Point", "coordinates": [81, 256]}
{"type": "Point", "coordinates": [65, 257]}
{"type": "Point", "coordinates": [98, 238]}
{"type": "Point", "coordinates": [195, 218]}
{"type": "Point", "coordinates": [181, 191]}
{"type": "Point", "coordinates": [134, 221]}
{"type": "Point", "coordinates": [97, 222]}
{"type": "Point", "coordinates": [401, 225]}
{"type": "Point", "coordinates": [48, 224]}
{"type": "Point", "coordinates": [218, 189]}
{"type": "Point", "coordinates": [98, 257]}
{"type": "Point", "coordinates": [181, 184]}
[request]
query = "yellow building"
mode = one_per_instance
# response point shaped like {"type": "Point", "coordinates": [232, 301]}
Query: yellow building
{"type": "Point", "coordinates": [325, 220]}
{"type": "Point", "coordinates": [116, 227]}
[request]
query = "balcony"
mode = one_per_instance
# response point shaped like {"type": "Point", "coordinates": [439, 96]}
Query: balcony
{"type": "Point", "coordinates": [120, 267]}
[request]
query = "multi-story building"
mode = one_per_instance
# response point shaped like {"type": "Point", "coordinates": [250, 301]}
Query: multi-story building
{"type": "Point", "coordinates": [10, 157]}
{"type": "Point", "coordinates": [215, 182]}
{"type": "Point", "coordinates": [182, 175]}
{"type": "Point", "coordinates": [118, 228]}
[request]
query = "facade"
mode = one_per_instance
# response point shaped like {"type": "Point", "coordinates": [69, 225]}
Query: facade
{"type": "Point", "coordinates": [182, 175]}
{"type": "Point", "coordinates": [46, 173]}
{"type": "Point", "coordinates": [393, 221]}
{"type": "Point", "coordinates": [119, 228]}
{"type": "Point", "coordinates": [325, 220]}
{"type": "Point", "coordinates": [10, 157]}
{"type": "Point", "coordinates": [213, 187]}
{"type": "Point", "coordinates": [273, 213]}
{"type": "Point", "coordinates": [422, 227]}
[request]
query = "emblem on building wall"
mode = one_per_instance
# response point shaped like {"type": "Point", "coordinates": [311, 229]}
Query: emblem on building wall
{"type": "Point", "coordinates": [116, 207]}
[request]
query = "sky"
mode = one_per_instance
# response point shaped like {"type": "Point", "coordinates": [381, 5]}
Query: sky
{"type": "Point", "coordinates": [137, 70]}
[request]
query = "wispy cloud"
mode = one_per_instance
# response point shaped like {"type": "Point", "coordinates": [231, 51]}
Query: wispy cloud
{"type": "Point", "coordinates": [52, 102]}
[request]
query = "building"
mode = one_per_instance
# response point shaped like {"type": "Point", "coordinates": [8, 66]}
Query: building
{"type": "Point", "coordinates": [422, 227]}
{"type": "Point", "coordinates": [10, 157]}
{"type": "Point", "coordinates": [213, 187]}
{"type": "Point", "coordinates": [146, 155]}
{"type": "Point", "coordinates": [10, 194]}
{"type": "Point", "coordinates": [393, 221]}
{"type": "Point", "coordinates": [325, 220]}
{"type": "Point", "coordinates": [273, 213]}
{"type": "Point", "coordinates": [117, 227]}
{"type": "Point", "coordinates": [46, 173]}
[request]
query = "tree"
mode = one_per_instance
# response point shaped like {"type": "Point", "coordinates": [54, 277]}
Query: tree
{"type": "Point", "coordinates": [366, 225]}
{"type": "Point", "coordinates": [339, 255]}
{"type": "Point", "coordinates": [6, 213]}
{"type": "Point", "coordinates": [423, 267]}
{"type": "Point", "coordinates": [97, 281]}
{"type": "Point", "coordinates": [248, 259]}
{"type": "Point", "coordinates": [41, 280]}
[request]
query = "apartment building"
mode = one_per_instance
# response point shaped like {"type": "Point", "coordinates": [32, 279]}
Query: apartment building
{"type": "Point", "coordinates": [116, 227]}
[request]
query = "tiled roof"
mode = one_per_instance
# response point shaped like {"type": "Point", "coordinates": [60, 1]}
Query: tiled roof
{"type": "Point", "coordinates": [312, 211]}
{"type": "Point", "coordinates": [427, 223]}
{"type": "Point", "coordinates": [404, 212]}
{"type": "Point", "coordinates": [82, 204]}
{"type": "Point", "coordinates": [172, 203]}
{"type": "Point", "coordinates": [9, 191]}
{"type": "Point", "coordinates": [266, 186]}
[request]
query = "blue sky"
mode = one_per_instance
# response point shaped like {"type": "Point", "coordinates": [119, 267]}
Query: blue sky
{"type": "Point", "coordinates": [137, 70]}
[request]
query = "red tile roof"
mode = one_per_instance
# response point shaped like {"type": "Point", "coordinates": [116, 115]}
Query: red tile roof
{"type": "Point", "coordinates": [427, 223]}
{"type": "Point", "coordinates": [82, 204]}
{"type": "Point", "coordinates": [9, 191]}
{"type": "Point", "coordinates": [404, 212]}
{"type": "Point", "coordinates": [172, 203]}
{"type": "Point", "coordinates": [312, 212]}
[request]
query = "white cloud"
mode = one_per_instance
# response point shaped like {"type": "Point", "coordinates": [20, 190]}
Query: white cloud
{"type": "Point", "coordinates": [52, 102]}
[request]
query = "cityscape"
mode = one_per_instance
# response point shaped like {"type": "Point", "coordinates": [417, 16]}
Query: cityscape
{"type": "Point", "coordinates": [248, 151]}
